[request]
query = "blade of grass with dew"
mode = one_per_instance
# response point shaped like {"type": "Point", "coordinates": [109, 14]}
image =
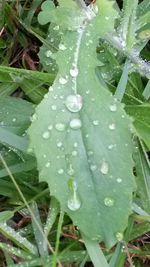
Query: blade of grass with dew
{"type": "Point", "coordinates": [16, 251]}
{"type": "Point", "coordinates": [146, 92]}
{"type": "Point", "coordinates": [59, 226]}
{"type": "Point", "coordinates": [34, 5]}
{"type": "Point", "coordinates": [10, 74]}
{"type": "Point", "coordinates": [141, 116]}
{"type": "Point", "coordinates": [13, 140]}
{"type": "Point", "coordinates": [67, 258]}
{"type": "Point", "coordinates": [120, 91]}
{"type": "Point", "coordinates": [35, 92]}
{"type": "Point", "coordinates": [127, 27]}
{"type": "Point", "coordinates": [40, 241]}
{"type": "Point", "coordinates": [27, 205]}
{"type": "Point", "coordinates": [142, 166]}
{"type": "Point", "coordinates": [19, 167]}
{"type": "Point", "coordinates": [95, 252]}
{"type": "Point", "coordinates": [52, 215]}
{"type": "Point", "coordinates": [17, 238]}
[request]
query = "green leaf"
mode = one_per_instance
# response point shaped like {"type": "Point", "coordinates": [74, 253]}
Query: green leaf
{"type": "Point", "coordinates": [143, 176]}
{"type": "Point", "coordinates": [15, 114]}
{"type": "Point", "coordinates": [5, 215]}
{"type": "Point", "coordinates": [141, 115]}
{"type": "Point", "coordinates": [82, 141]}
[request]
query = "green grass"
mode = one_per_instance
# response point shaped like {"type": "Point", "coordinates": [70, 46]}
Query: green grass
{"type": "Point", "coordinates": [37, 227]}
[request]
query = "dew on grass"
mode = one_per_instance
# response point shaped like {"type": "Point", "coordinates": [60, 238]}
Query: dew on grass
{"type": "Point", "coordinates": [46, 135]}
{"type": "Point", "coordinates": [74, 103]}
{"type": "Point", "coordinates": [104, 167]}
{"type": "Point", "coordinates": [109, 202]}
{"type": "Point", "coordinates": [75, 124]}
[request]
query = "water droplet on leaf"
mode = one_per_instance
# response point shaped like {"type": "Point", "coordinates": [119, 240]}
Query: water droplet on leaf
{"type": "Point", "coordinates": [62, 80]}
{"type": "Point", "coordinates": [74, 103]}
{"type": "Point", "coordinates": [46, 135]}
{"type": "Point", "coordinates": [104, 167]}
{"type": "Point", "coordinates": [75, 124]}
{"type": "Point", "coordinates": [113, 107]}
{"type": "Point", "coordinates": [112, 126]}
{"type": "Point", "coordinates": [60, 171]}
{"type": "Point", "coordinates": [119, 236]}
{"type": "Point", "coordinates": [74, 202]}
{"type": "Point", "coordinates": [60, 127]}
{"type": "Point", "coordinates": [95, 122]}
{"type": "Point", "coordinates": [74, 72]}
{"type": "Point", "coordinates": [109, 202]}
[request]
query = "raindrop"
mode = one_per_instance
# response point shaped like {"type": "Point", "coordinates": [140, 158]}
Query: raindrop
{"type": "Point", "coordinates": [62, 80]}
{"type": "Point", "coordinates": [46, 135]}
{"type": "Point", "coordinates": [59, 144]}
{"type": "Point", "coordinates": [87, 92]}
{"type": "Point", "coordinates": [53, 107]}
{"type": "Point", "coordinates": [47, 165]}
{"type": "Point", "coordinates": [14, 119]}
{"type": "Point", "coordinates": [75, 124]}
{"type": "Point", "coordinates": [112, 126]}
{"type": "Point", "coordinates": [110, 147]}
{"type": "Point", "coordinates": [119, 180]}
{"type": "Point", "coordinates": [48, 53]}
{"type": "Point", "coordinates": [56, 28]}
{"type": "Point", "coordinates": [70, 170]}
{"type": "Point", "coordinates": [109, 202]}
{"type": "Point", "coordinates": [74, 153]}
{"type": "Point", "coordinates": [96, 122]}
{"type": "Point", "coordinates": [113, 107]}
{"type": "Point", "coordinates": [62, 47]}
{"type": "Point", "coordinates": [74, 72]}
{"type": "Point", "coordinates": [93, 167]}
{"type": "Point", "coordinates": [50, 127]}
{"type": "Point", "coordinates": [74, 202]}
{"type": "Point", "coordinates": [74, 103]}
{"type": "Point", "coordinates": [104, 167]}
{"type": "Point", "coordinates": [60, 127]}
{"type": "Point", "coordinates": [34, 117]}
{"type": "Point", "coordinates": [119, 236]}
{"type": "Point", "coordinates": [51, 89]}
{"type": "Point", "coordinates": [60, 171]}
{"type": "Point", "coordinates": [75, 144]}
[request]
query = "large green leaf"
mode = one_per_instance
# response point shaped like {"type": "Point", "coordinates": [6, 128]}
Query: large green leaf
{"type": "Point", "coordinates": [81, 138]}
